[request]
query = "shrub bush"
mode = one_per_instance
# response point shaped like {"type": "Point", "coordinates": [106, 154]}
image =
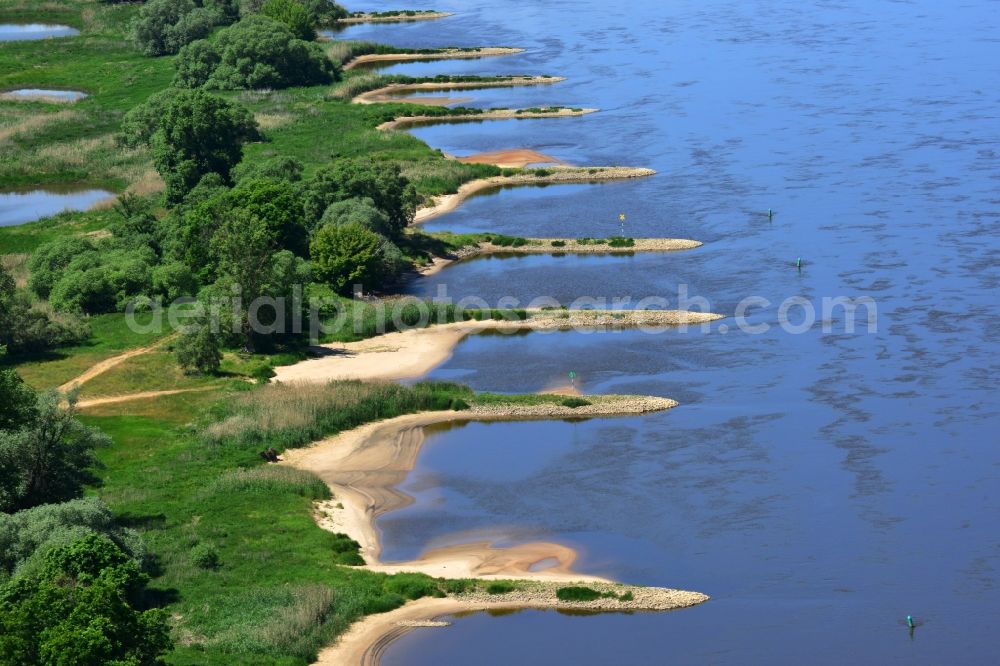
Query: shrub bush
{"type": "Point", "coordinates": [577, 594]}
{"type": "Point", "coordinates": [413, 586]}
{"type": "Point", "coordinates": [205, 556]}
{"type": "Point", "coordinates": [500, 587]}
{"type": "Point", "coordinates": [573, 403]}
{"type": "Point", "coordinates": [346, 551]}
{"type": "Point", "coordinates": [508, 241]}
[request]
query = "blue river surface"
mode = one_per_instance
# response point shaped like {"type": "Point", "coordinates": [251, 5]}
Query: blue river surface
{"type": "Point", "coordinates": [819, 483]}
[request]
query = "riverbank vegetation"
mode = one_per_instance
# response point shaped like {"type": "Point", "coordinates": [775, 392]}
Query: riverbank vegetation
{"type": "Point", "coordinates": [227, 131]}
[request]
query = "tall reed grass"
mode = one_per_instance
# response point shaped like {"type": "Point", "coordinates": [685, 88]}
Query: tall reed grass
{"type": "Point", "coordinates": [290, 415]}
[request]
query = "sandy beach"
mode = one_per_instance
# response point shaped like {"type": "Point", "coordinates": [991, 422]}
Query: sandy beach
{"type": "Point", "coordinates": [449, 202]}
{"type": "Point", "coordinates": [399, 18]}
{"type": "Point", "coordinates": [563, 246]}
{"type": "Point", "coordinates": [391, 92]}
{"type": "Point", "coordinates": [363, 468]}
{"type": "Point", "coordinates": [513, 158]}
{"type": "Point", "coordinates": [448, 54]}
{"type": "Point", "coordinates": [415, 352]}
{"type": "Point", "coordinates": [493, 114]}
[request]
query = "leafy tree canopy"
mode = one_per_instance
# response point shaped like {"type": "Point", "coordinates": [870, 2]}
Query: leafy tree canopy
{"type": "Point", "coordinates": [197, 134]}
{"type": "Point", "coordinates": [348, 255]}
{"type": "Point", "coordinates": [294, 15]}
{"type": "Point", "coordinates": [258, 52]}
{"type": "Point", "coordinates": [382, 183]}
{"type": "Point", "coordinates": [48, 459]}
{"type": "Point", "coordinates": [83, 606]}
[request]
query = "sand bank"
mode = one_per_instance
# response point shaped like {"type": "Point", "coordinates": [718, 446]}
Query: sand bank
{"type": "Point", "coordinates": [433, 101]}
{"type": "Point", "coordinates": [449, 202]}
{"type": "Point", "coordinates": [413, 353]}
{"type": "Point", "coordinates": [391, 93]}
{"type": "Point", "coordinates": [363, 467]}
{"type": "Point", "coordinates": [493, 114]}
{"type": "Point", "coordinates": [447, 54]}
{"type": "Point", "coordinates": [568, 246]}
{"type": "Point", "coordinates": [397, 18]}
{"type": "Point", "coordinates": [513, 158]}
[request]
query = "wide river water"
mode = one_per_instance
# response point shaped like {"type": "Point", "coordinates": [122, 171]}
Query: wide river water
{"type": "Point", "coordinates": [820, 485]}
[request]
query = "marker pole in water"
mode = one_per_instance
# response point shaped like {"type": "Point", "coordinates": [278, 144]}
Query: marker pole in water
{"type": "Point", "coordinates": [909, 621]}
{"type": "Point", "coordinates": [572, 379]}
{"type": "Point", "coordinates": [770, 215]}
{"type": "Point", "coordinates": [798, 263]}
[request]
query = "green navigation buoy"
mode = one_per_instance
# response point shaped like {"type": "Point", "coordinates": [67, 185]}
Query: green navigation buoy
{"type": "Point", "coordinates": [798, 263]}
{"type": "Point", "coordinates": [770, 215]}
{"type": "Point", "coordinates": [909, 622]}
{"type": "Point", "coordinates": [572, 379]}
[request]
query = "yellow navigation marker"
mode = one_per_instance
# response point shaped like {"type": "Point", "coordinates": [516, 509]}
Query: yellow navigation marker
{"type": "Point", "coordinates": [621, 217]}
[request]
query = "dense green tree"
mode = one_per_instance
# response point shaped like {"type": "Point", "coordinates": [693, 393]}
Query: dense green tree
{"type": "Point", "coordinates": [27, 535]}
{"type": "Point", "coordinates": [49, 261]}
{"type": "Point", "coordinates": [17, 399]}
{"type": "Point", "coordinates": [293, 15]}
{"type": "Point", "coordinates": [358, 211]}
{"type": "Point", "coordinates": [275, 204]}
{"type": "Point", "coordinates": [173, 280]}
{"type": "Point", "coordinates": [382, 183]}
{"type": "Point", "coordinates": [274, 168]}
{"type": "Point", "coordinates": [348, 255]}
{"type": "Point", "coordinates": [198, 134]}
{"type": "Point", "coordinates": [324, 11]}
{"type": "Point", "coordinates": [164, 26]}
{"type": "Point", "coordinates": [105, 281]}
{"type": "Point", "coordinates": [27, 327]}
{"type": "Point", "coordinates": [258, 52]}
{"type": "Point", "coordinates": [81, 607]}
{"type": "Point", "coordinates": [245, 247]}
{"type": "Point", "coordinates": [48, 459]}
{"type": "Point", "coordinates": [198, 351]}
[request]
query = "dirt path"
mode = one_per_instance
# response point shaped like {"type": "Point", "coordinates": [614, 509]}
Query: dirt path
{"type": "Point", "coordinates": [114, 399]}
{"type": "Point", "coordinates": [101, 367]}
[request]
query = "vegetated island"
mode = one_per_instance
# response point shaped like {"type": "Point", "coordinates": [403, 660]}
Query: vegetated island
{"type": "Point", "coordinates": [395, 16]}
{"type": "Point", "coordinates": [391, 54]}
{"type": "Point", "coordinates": [446, 203]}
{"type": "Point", "coordinates": [394, 92]}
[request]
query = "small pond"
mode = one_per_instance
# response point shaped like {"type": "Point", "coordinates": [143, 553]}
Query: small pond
{"type": "Point", "coordinates": [28, 206]}
{"type": "Point", "coordinates": [20, 32]}
{"type": "Point", "coordinates": [43, 95]}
